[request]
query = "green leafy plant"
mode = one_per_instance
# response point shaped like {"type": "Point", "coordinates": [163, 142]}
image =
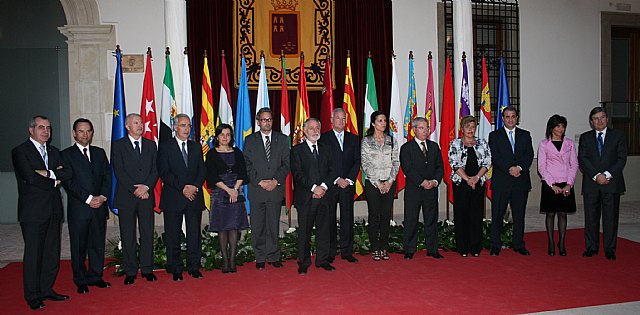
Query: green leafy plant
{"type": "Point", "coordinates": [212, 257]}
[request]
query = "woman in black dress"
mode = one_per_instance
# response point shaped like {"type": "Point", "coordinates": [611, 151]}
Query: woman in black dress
{"type": "Point", "coordinates": [558, 167]}
{"type": "Point", "coordinates": [470, 159]}
{"type": "Point", "coordinates": [226, 173]}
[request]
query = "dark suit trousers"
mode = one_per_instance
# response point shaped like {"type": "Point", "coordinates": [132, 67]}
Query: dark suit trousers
{"type": "Point", "coordinates": [518, 201]}
{"type": "Point", "coordinates": [467, 216]}
{"type": "Point", "coordinates": [41, 257]}
{"type": "Point", "coordinates": [143, 214]}
{"type": "Point", "coordinates": [343, 197]}
{"type": "Point", "coordinates": [310, 213]}
{"type": "Point", "coordinates": [173, 234]}
{"type": "Point", "coordinates": [412, 209]}
{"type": "Point", "coordinates": [605, 204]}
{"type": "Point", "coordinates": [87, 238]}
{"type": "Point", "coordinates": [265, 225]}
{"type": "Point", "coordinates": [379, 206]}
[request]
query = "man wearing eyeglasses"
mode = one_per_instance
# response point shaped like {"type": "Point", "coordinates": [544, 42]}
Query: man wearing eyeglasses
{"type": "Point", "coordinates": [266, 153]}
{"type": "Point", "coordinates": [602, 154]}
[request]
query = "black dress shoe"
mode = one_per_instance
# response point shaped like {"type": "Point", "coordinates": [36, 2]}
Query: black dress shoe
{"type": "Point", "coordinates": [302, 270]}
{"type": "Point", "coordinates": [408, 256]}
{"type": "Point", "coordinates": [435, 255]}
{"type": "Point", "coordinates": [522, 251]}
{"type": "Point", "coordinates": [82, 289]}
{"type": "Point", "coordinates": [53, 296]}
{"type": "Point", "coordinates": [589, 253]}
{"type": "Point", "coordinates": [129, 280]}
{"type": "Point", "coordinates": [177, 276]}
{"type": "Point", "coordinates": [36, 305]}
{"type": "Point", "coordinates": [495, 252]}
{"type": "Point", "coordinates": [475, 254]}
{"type": "Point", "coordinates": [331, 259]}
{"type": "Point", "coordinates": [327, 267]}
{"type": "Point", "coordinates": [150, 276]}
{"type": "Point", "coordinates": [610, 256]}
{"type": "Point", "coordinates": [100, 284]}
{"type": "Point", "coordinates": [552, 253]}
{"type": "Point", "coordinates": [350, 259]}
{"type": "Point", "coordinates": [464, 254]}
{"type": "Point", "coordinates": [276, 264]}
{"type": "Point", "coordinates": [196, 274]}
{"type": "Point", "coordinates": [260, 265]}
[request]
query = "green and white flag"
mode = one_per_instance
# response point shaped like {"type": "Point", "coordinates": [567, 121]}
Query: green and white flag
{"type": "Point", "coordinates": [370, 97]}
{"type": "Point", "coordinates": [168, 109]}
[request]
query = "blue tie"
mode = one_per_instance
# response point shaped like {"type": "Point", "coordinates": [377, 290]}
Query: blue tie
{"type": "Point", "coordinates": [513, 143]}
{"type": "Point", "coordinates": [600, 143]}
{"type": "Point", "coordinates": [137, 148]}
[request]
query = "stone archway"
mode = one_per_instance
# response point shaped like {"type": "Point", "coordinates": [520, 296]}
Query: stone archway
{"type": "Point", "coordinates": [90, 88]}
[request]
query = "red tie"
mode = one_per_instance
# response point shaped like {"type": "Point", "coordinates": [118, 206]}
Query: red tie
{"type": "Point", "coordinates": [86, 156]}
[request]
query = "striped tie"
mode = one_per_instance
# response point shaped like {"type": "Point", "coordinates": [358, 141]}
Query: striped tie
{"type": "Point", "coordinates": [267, 148]}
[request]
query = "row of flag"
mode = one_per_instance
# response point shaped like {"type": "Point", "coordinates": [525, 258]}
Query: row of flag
{"type": "Point", "coordinates": [400, 116]}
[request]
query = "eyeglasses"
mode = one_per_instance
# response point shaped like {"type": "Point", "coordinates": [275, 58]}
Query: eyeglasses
{"type": "Point", "coordinates": [265, 119]}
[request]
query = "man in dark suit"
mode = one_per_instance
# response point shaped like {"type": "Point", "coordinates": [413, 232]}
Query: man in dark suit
{"type": "Point", "coordinates": [39, 171]}
{"type": "Point", "coordinates": [87, 212]}
{"type": "Point", "coordinates": [182, 170]}
{"type": "Point", "coordinates": [346, 162]}
{"type": "Point", "coordinates": [422, 164]}
{"type": "Point", "coordinates": [602, 155]}
{"type": "Point", "coordinates": [312, 170]}
{"type": "Point", "coordinates": [511, 156]}
{"type": "Point", "coordinates": [133, 159]}
{"type": "Point", "coordinates": [266, 154]}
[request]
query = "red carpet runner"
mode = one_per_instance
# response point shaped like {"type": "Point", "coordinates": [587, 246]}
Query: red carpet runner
{"type": "Point", "coordinates": [507, 284]}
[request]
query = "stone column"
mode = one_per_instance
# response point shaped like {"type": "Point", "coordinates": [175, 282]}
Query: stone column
{"type": "Point", "coordinates": [90, 85]}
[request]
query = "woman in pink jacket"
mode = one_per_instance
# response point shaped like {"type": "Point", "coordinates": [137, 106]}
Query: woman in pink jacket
{"type": "Point", "coordinates": [557, 166]}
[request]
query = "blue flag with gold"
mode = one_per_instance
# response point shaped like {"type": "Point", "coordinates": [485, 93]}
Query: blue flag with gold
{"type": "Point", "coordinates": [118, 131]}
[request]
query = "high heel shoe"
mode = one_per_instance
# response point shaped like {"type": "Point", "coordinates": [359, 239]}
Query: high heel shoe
{"type": "Point", "coordinates": [376, 255]}
{"type": "Point", "coordinates": [562, 250]}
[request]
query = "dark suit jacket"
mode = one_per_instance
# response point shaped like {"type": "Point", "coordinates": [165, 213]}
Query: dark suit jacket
{"type": "Point", "coordinates": [417, 168]}
{"type": "Point", "coordinates": [613, 159]}
{"type": "Point", "coordinates": [88, 179]}
{"type": "Point", "coordinates": [38, 199]}
{"type": "Point", "coordinates": [307, 171]}
{"type": "Point", "coordinates": [346, 163]}
{"type": "Point", "coordinates": [131, 170]}
{"type": "Point", "coordinates": [258, 168]}
{"type": "Point", "coordinates": [175, 175]}
{"type": "Point", "coordinates": [503, 158]}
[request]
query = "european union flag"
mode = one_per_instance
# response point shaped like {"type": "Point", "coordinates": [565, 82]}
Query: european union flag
{"type": "Point", "coordinates": [118, 131]}
{"type": "Point", "coordinates": [243, 117]}
{"type": "Point", "coordinates": [503, 95]}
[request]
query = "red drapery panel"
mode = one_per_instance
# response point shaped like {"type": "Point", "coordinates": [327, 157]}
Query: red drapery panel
{"type": "Point", "coordinates": [360, 26]}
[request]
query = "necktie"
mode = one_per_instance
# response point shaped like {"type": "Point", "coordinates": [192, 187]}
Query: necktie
{"type": "Point", "coordinates": [600, 143]}
{"type": "Point", "coordinates": [267, 148]}
{"type": "Point", "coordinates": [424, 148]}
{"type": "Point", "coordinates": [45, 158]}
{"type": "Point", "coordinates": [314, 152]}
{"type": "Point", "coordinates": [86, 156]}
{"type": "Point", "coordinates": [513, 142]}
{"type": "Point", "coordinates": [340, 135]}
{"type": "Point", "coordinates": [185, 157]}
{"type": "Point", "coordinates": [136, 147]}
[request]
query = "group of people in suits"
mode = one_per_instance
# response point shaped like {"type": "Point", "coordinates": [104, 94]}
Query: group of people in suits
{"type": "Point", "coordinates": [325, 170]}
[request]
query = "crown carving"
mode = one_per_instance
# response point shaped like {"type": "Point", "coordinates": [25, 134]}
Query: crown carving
{"type": "Point", "coordinates": [284, 4]}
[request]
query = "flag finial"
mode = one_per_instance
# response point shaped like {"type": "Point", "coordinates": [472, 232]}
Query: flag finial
{"type": "Point", "coordinates": [223, 55]}
{"type": "Point", "coordinates": [302, 55]}
{"type": "Point", "coordinates": [464, 55]}
{"type": "Point", "coordinates": [369, 54]}
{"type": "Point", "coordinates": [118, 49]}
{"type": "Point", "coordinates": [281, 54]}
{"type": "Point", "coordinates": [348, 53]}
{"type": "Point", "coordinates": [149, 52]}
{"type": "Point", "coordinates": [261, 54]}
{"type": "Point", "coordinates": [204, 54]}
{"type": "Point", "coordinates": [167, 52]}
{"type": "Point", "coordinates": [410, 54]}
{"type": "Point", "coordinates": [429, 57]}
{"type": "Point", "coordinates": [185, 50]}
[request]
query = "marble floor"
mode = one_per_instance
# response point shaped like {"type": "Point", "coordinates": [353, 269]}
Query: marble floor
{"type": "Point", "coordinates": [11, 244]}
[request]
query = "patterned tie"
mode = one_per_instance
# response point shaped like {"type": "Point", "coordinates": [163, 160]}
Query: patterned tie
{"type": "Point", "coordinates": [424, 148]}
{"type": "Point", "coordinates": [86, 156]}
{"type": "Point", "coordinates": [340, 135]}
{"type": "Point", "coordinates": [185, 157]}
{"type": "Point", "coordinates": [136, 147]}
{"type": "Point", "coordinates": [600, 143]}
{"type": "Point", "coordinates": [267, 148]}
{"type": "Point", "coordinates": [513, 142]}
{"type": "Point", "coordinates": [45, 157]}
{"type": "Point", "coordinates": [314, 152]}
